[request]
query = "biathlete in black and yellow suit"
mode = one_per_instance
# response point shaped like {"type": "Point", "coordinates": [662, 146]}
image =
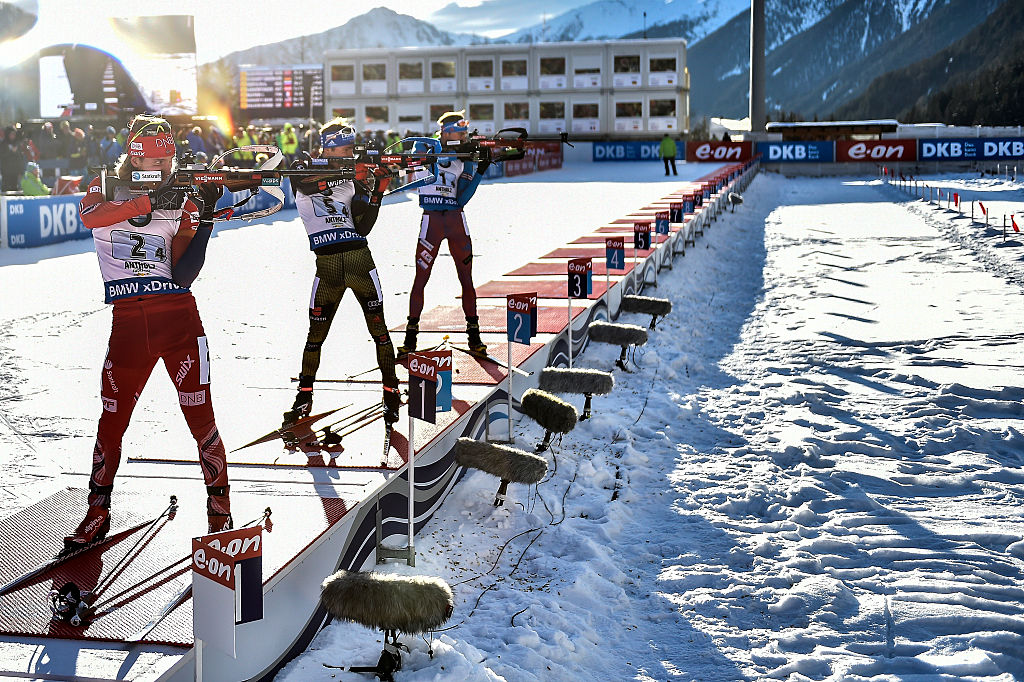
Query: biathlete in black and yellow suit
{"type": "Point", "coordinates": [338, 215]}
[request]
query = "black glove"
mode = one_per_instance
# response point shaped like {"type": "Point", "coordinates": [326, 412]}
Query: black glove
{"type": "Point", "coordinates": [166, 197]}
{"type": "Point", "coordinates": [209, 193]}
{"type": "Point", "coordinates": [392, 401]}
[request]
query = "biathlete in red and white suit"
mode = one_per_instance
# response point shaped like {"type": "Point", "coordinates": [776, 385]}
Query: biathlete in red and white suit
{"type": "Point", "coordinates": [442, 202]}
{"type": "Point", "coordinates": [151, 246]}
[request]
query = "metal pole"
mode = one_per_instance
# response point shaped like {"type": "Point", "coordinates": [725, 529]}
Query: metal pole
{"type": "Point", "coordinates": [569, 299]}
{"type": "Point", "coordinates": [509, 346]}
{"type": "Point", "coordinates": [411, 559]}
{"type": "Point", "coordinates": [757, 66]}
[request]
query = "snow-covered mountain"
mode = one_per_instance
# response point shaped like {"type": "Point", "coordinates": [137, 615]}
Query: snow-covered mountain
{"type": "Point", "coordinates": [380, 27]}
{"type": "Point", "coordinates": [821, 53]}
{"type": "Point", "coordinates": [605, 19]}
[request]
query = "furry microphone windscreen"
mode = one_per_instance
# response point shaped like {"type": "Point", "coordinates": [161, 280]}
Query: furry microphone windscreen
{"type": "Point", "coordinates": [647, 305]}
{"type": "Point", "coordinates": [508, 464]}
{"type": "Point", "coordinates": [384, 601]}
{"type": "Point", "coordinates": [577, 380]}
{"type": "Point", "coordinates": [553, 414]}
{"type": "Point", "coordinates": [617, 334]}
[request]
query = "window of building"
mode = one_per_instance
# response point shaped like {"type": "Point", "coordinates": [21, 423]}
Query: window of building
{"type": "Point", "coordinates": [343, 72]}
{"type": "Point", "coordinates": [481, 68]}
{"type": "Point", "coordinates": [586, 117]}
{"type": "Point", "coordinates": [442, 69]}
{"type": "Point", "coordinates": [344, 112]}
{"type": "Point", "coordinates": [662, 64]}
{"type": "Point", "coordinates": [343, 79]}
{"type": "Point", "coordinates": [481, 118]}
{"type": "Point", "coordinates": [663, 107]}
{"type": "Point", "coordinates": [481, 75]}
{"type": "Point", "coordinates": [513, 67]}
{"type": "Point", "coordinates": [376, 114]}
{"type": "Point", "coordinates": [410, 70]}
{"type": "Point", "coordinates": [552, 109]}
{"type": "Point", "coordinates": [437, 110]}
{"type": "Point", "coordinates": [552, 66]}
{"type": "Point", "coordinates": [586, 71]}
{"type": "Point", "coordinates": [662, 71]}
{"type": "Point", "coordinates": [627, 63]}
{"type": "Point", "coordinates": [481, 112]}
{"type": "Point", "coordinates": [662, 115]}
{"type": "Point", "coordinates": [517, 111]}
{"type": "Point", "coordinates": [375, 72]}
{"type": "Point", "coordinates": [375, 79]}
{"type": "Point", "coordinates": [629, 109]}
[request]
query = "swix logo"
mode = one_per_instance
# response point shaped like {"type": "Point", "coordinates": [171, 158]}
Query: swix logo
{"type": "Point", "coordinates": [183, 369]}
{"type": "Point", "coordinates": [876, 150]}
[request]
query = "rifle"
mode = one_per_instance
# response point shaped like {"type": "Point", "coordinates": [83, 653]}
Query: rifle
{"type": "Point", "coordinates": [476, 147]}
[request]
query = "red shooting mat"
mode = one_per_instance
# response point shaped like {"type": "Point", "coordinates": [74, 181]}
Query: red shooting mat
{"type": "Point", "coordinates": [451, 319]}
{"type": "Point", "coordinates": [543, 288]}
{"type": "Point", "coordinates": [595, 252]}
{"type": "Point", "coordinates": [557, 267]}
{"type": "Point", "coordinates": [38, 531]}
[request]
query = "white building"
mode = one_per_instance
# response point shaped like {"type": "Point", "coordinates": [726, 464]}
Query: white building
{"type": "Point", "coordinates": [594, 90]}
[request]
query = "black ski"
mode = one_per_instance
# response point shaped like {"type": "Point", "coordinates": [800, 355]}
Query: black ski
{"type": "Point", "coordinates": [73, 605]}
{"type": "Point", "coordinates": [67, 554]}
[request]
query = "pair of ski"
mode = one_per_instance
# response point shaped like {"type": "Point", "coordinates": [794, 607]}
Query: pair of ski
{"type": "Point", "coordinates": [76, 606]}
{"type": "Point", "coordinates": [356, 378]}
{"type": "Point", "coordinates": [71, 551]}
{"type": "Point", "coordinates": [302, 435]}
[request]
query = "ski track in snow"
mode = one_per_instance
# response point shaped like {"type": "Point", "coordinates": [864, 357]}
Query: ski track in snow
{"type": "Point", "coordinates": [814, 471]}
{"type": "Point", "coordinates": [824, 481]}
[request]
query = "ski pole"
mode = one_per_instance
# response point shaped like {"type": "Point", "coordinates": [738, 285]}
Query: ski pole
{"type": "Point", "coordinates": [265, 515]}
{"type": "Point", "coordinates": [107, 580]}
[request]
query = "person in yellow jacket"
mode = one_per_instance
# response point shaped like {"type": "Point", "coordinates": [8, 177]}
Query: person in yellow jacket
{"type": "Point", "coordinates": [668, 153]}
{"type": "Point", "coordinates": [288, 142]}
{"type": "Point", "coordinates": [31, 182]}
{"type": "Point", "coordinates": [241, 139]}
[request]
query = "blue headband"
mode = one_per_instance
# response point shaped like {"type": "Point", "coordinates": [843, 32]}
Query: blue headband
{"type": "Point", "coordinates": [339, 138]}
{"type": "Point", "coordinates": [460, 126]}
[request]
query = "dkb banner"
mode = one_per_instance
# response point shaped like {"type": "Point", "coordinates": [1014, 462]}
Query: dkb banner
{"type": "Point", "coordinates": [796, 152]}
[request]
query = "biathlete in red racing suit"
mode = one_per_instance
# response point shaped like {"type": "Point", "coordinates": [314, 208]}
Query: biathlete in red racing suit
{"type": "Point", "coordinates": [151, 246]}
{"type": "Point", "coordinates": [338, 215]}
{"type": "Point", "coordinates": [442, 202]}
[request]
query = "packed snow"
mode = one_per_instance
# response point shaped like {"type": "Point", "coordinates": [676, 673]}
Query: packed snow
{"type": "Point", "coordinates": [813, 471]}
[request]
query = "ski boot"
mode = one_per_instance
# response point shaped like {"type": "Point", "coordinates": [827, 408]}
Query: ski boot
{"type": "Point", "coordinates": [303, 404]}
{"type": "Point", "coordinates": [92, 528]}
{"type": "Point", "coordinates": [218, 508]}
{"type": "Point", "coordinates": [392, 401]}
{"type": "Point", "coordinates": [476, 344]}
{"type": "Point", "coordinates": [409, 345]}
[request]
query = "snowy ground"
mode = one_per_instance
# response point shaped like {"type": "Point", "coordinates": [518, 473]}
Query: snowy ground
{"type": "Point", "coordinates": [814, 473]}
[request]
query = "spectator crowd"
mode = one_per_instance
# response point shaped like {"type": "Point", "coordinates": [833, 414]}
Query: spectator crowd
{"type": "Point", "coordinates": [34, 155]}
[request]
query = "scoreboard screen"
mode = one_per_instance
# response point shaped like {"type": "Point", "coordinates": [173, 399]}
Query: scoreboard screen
{"type": "Point", "coordinates": [282, 91]}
